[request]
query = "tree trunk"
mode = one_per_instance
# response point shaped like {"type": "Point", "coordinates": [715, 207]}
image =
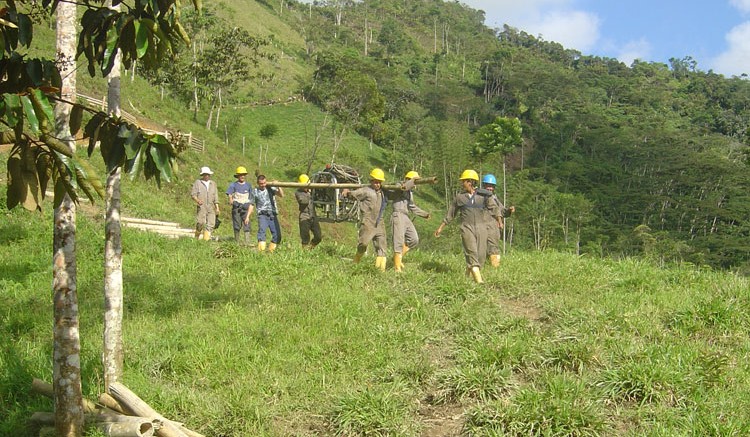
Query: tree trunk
{"type": "Point", "coordinates": [505, 195]}
{"type": "Point", "coordinates": [218, 109]}
{"type": "Point", "coordinates": [66, 346]}
{"type": "Point", "coordinates": [112, 350]}
{"type": "Point", "coordinates": [195, 85]}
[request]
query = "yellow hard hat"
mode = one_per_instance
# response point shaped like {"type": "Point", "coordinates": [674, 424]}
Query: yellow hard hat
{"type": "Point", "coordinates": [411, 175]}
{"type": "Point", "coordinates": [377, 174]}
{"type": "Point", "coordinates": [303, 179]}
{"type": "Point", "coordinates": [240, 170]}
{"type": "Point", "coordinates": [469, 174]}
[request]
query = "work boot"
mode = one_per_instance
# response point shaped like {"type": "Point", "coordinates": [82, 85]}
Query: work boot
{"type": "Point", "coordinates": [397, 265]}
{"type": "Point", "coordinates": [477, 275]}
{"type": "Point", "coordinates": [247, 238]}
{"type": "Point", "coordinates": [207, 235]}
{"type": "Point", "coordinates": [358, 257]}
{"type": "Point", "coordinates": [380, 263]}
{"type": "Point", "coordinates": [271, 246]}
{"type": "Point", "coordinates": [198, 234]}
{"type": "Point", "coordinates": [237, 237]}
{"type": "Point", "coordinates": [495, 260]}
{"type": "Point", "coordinates": [261, 246]}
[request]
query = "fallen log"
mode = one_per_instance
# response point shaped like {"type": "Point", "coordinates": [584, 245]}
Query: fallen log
{"type": "Point", "coordinates": [46, 389]}
{"type": "Point", "coordinates": [320, 185]}
{"type": "Point", "coordinates": [149, 222]}
{"type": "Point", "coordinates": [110, 402]}
{"type": "Point", "coordinates": [131, 402]}
{"type": "Point", "coordinates": [113, 425]}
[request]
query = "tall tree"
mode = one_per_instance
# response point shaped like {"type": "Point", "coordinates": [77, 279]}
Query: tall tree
{"type": "Point", "coordinates": [112, 348]}
{"type": "Point", "coordinates": [67, 345]}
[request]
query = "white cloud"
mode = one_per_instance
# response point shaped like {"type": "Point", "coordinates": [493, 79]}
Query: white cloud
{"type": "Point", "coordinates": [742, 5]}
{"type": "Point", "coordinates": [640, 49]}
{"type": "Point", "coordinates": [575, 29]}
{"type": "Point", "coordinates": [554, 20]}
{"type": "Point", "coordinates": [736, 59]}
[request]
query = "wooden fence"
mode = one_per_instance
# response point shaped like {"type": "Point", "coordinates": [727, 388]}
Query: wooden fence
{"type": "Point", "coordinates": [176, 136]}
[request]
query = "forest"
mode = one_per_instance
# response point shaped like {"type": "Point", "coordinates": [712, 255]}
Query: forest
{"type": "Point", "coordinates": [648, 159]}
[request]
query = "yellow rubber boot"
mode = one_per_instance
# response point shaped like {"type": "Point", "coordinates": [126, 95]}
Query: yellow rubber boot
{"type": "Point", "coordinates": [261, 246]}
{"type": "Point", "coordinates": [271, 247]}
{"type": "Point", "coordinates": [207, 235]}
{"type": "Point", "coordinates": [380, 263]}
{"type": "Point", "coordinates": [397, 265]}
{"type": "Point", "coordinates": [477, 275]}
{"type": "Point", "coordinates": [495, 260]}
{"type": "Point", "coordinates": [404, 249]}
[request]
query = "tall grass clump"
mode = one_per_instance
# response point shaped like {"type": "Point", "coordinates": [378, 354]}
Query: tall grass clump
{"type": "Point", "coordinates": [557, 404]}
{"type": "Point", "coordinates": [373, 412]}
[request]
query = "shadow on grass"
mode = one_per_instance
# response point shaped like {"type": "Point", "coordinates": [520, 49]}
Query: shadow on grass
{"type": "Point", "coordinates": [16, 271]}
{"type": "Point", "coordinates": [17, 402]}
{"type": "Point", "coordinates": [436, 267]}
{"type": "Point", "coordinates": [10, 233]}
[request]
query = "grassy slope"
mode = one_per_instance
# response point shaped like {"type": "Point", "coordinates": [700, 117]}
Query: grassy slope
{"type": "Point", "coordinates": [237, 343]}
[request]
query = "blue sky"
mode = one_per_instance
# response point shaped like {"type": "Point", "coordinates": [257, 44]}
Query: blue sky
{"type": "Point", "coordinates": [715, 33]}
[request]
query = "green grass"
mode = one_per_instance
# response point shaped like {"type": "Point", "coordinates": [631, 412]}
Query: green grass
{"type": "Point", "coordinates": [238, 343]}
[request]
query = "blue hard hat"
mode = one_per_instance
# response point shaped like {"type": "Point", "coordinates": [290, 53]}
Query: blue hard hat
{"type": "Point", "coordinates": [489, 179]}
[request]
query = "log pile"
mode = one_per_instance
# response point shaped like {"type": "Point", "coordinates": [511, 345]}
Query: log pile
{"type": "Point", "coordinates": [118, 414]}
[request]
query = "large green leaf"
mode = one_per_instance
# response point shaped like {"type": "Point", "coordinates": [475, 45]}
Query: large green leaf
{"type": "Point", "coordinates": [25, 30]}
{"type": "Point", "coordinates": [13, 109]}
{"type": "Point", "coordinates": [28, 110]}
{"type": "Point", "coordinates": [134, 166]}
{"type": "Point", "coordinates": [160, 155]}
{"type": "Point", "coordinates": [142, 33]}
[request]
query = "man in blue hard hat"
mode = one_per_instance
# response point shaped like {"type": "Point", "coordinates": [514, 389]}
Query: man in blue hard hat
{"type": "Point", "coordinates": [489, 181]}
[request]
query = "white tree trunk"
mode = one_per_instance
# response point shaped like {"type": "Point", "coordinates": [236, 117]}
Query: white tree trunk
{"type": "Point", "coordinates": [112, 349]}
{"type": "Point", "coordinates": [66, 347]}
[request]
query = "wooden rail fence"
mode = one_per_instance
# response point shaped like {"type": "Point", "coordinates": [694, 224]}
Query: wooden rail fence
{"type": "Point", "coordinates": [176, 136]}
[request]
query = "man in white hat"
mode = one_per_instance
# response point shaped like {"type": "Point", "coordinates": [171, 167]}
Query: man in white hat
{"type": "Point", "coordinates": [206, 196]}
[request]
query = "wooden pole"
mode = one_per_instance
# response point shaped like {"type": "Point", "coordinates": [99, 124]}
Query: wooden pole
{"type": "Point", "coordinates": [132, 402]}
{"type": "Point", "coordinates": [314, 185]}
{"type": "Point", "coordinates": [113, 425]}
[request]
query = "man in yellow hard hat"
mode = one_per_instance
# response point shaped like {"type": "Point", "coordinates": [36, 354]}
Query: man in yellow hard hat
{"type": "Point", "coordinates": [308, 219]}
{"type": "Point", "coordinates": [206, 197]}
{"type": "Point", "coordinates": [472, 210]}
{"type": "Point", "coordinates": [403, 232]}
{"type": "Point", "coordinates": [238, 195]}
{"type": "Point", "coordinates": [372, 203]}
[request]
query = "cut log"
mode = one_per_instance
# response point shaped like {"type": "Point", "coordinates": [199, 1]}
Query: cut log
{"type": "Point", "coordinates": [108, 401]}
{"type": "Point", "coordinates": [148, 222]}
{"type": "Point", "coordinates": [126, 429]}
{"type": "Point", "coordinates": [45, 389]}
{"type": "Point", "coordinates": [113, 425]}
{"type": "Point", "coordinates": [138, 406]}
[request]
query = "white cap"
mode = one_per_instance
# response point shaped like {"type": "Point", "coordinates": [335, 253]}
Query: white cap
{"type": "Point", "coordinates": [206, 170]}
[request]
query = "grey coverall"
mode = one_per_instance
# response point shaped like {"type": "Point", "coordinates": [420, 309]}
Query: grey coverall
{"type": "Point", "coordinates": [472, 210]}
{"type": "Point", "coordinates": [205, 215]}
{"type": "Point", "coordinates": [372, 224]}
{"type": "Point", "coordinates": [308, 219]}
{"type": "Point", "coordinates": [403, 231]}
